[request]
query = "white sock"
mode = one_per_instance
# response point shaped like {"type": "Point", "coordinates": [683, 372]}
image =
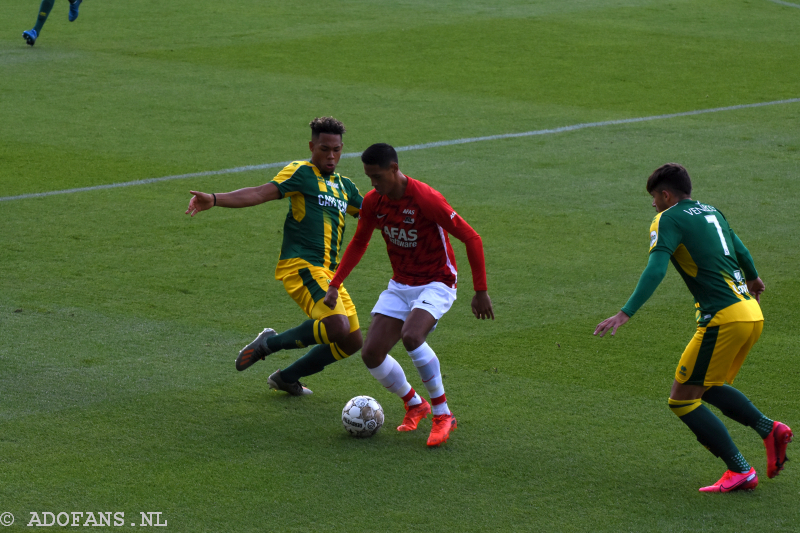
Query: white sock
{"type": "Point", "coordinates": [430, 372]}
{"type": "Point", "coordinates": [390, 374]}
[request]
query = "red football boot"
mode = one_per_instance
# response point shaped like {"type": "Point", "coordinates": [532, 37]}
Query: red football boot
{"type": "Point", "coordinates": [731, 481]}
{"type": "Point", "coordinates": [442, 426]}
{"type": "Point", "coordinates": [775, 443]}
{"type": "Point", "coordinates": [414, 415]}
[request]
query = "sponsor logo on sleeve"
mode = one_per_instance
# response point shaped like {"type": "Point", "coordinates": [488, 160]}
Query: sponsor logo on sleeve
{"type": "Point", "coordinates": [653, 238]}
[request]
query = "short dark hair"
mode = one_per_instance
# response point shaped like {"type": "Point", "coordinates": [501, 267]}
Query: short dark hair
{"type": "Point", "coordinates": [326, 125]}
{"type": "Point", "coordinates": [380, 154]}
{"type": "Point", "coordinates": [672, 177]}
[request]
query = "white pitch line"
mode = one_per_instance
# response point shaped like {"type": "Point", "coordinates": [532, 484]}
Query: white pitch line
{"type": "Point", "coordinates": [788, 4]}
{"type": "Point", "coordinates": [424, 146]}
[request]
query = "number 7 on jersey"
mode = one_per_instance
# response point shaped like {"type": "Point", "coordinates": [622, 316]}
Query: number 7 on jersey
{"type": "Point", "coordinates": [712, 219]}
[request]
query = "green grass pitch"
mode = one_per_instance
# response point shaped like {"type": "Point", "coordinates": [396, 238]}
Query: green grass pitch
{"type": "Point", "coordinates": [120, 316]}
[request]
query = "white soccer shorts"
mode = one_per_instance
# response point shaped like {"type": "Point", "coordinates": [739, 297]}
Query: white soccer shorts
{"type": "Point", "coordinates": [398, 300]}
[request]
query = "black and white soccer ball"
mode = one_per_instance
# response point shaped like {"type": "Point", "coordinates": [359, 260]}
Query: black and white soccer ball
{"type": "Point", "coordinates": [362, 416]}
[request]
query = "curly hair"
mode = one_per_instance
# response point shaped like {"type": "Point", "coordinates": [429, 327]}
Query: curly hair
{"type": "Point", "coordinates": [326, 125]}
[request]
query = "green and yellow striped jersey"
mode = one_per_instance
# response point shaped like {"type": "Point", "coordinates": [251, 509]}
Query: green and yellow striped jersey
{"type": "Point", "coordinates": [314, 227]}
{"type": "Point", "coordinates": [701, 246]}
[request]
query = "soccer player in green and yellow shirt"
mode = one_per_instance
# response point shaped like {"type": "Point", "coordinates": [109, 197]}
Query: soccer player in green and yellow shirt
{"type": "Point", "coordinates": [721, 275]}
{"type": "Point", "coordinates": [313, 232]}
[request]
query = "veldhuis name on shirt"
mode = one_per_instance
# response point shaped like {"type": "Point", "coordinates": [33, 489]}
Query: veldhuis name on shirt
{"type": "Point", "coordinates": [700, 209]}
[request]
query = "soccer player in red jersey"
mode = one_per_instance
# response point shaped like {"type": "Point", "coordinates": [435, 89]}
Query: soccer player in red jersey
{"type": "Point", "coordinates": [414, 220]}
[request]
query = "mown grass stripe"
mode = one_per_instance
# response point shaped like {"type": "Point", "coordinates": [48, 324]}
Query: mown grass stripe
{"type": "Point", "coordinates": [424, 146]}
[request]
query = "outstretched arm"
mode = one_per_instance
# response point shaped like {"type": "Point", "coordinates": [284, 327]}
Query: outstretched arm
{"type": "Point", "coordinates": [202, 201]}
{"type": "Point", "coordinates": [648, 282]}
{"type": "Point", "coordinates": [352, 255]}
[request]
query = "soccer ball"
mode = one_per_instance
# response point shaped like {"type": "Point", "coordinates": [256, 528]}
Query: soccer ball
{"type": "Point", "coordinates": [362, 416]}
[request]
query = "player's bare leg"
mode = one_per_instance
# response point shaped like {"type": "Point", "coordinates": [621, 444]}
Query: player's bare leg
{"type": "Point", "coordinates": [414, 334]}
{"type": "Point", "coordinates": [337, 328]}
{"type": "Point", "coordinates": [384, 332]}
{"type": "Point", "coordinates": [416, 328]}
{"type": "Point", "coordinates": [352, 342]}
